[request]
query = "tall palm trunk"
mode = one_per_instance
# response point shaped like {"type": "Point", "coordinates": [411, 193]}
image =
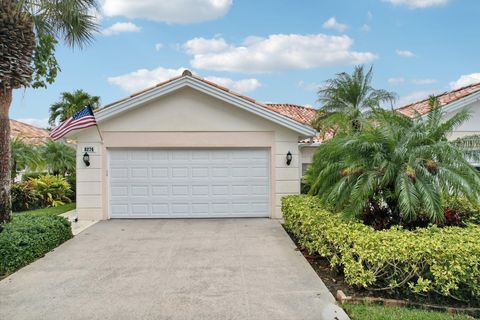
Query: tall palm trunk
{"type": "Point", "coordinates": [5, 179]}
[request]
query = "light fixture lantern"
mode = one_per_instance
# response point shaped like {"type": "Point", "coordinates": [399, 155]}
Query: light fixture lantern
{"type": "Point", "coordinates": [86, 159]}
{"type": "Point", "coordinates": [289, 158]}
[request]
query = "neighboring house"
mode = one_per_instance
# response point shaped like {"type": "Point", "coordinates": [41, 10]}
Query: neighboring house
{"type": "Point", "coordinates": [28, 133]}
{"type": "Point", "coordinates": [190, 148]}
{"type": "Point", "coordinates": [452, 102]}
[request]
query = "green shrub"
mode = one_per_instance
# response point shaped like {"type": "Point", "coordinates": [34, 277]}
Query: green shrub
{"type": "Point", "coordinates": [24, 197]}
{"type": "Point", "coordinates": [28, 237]}
{"type": "Point", "coordinates": [431, 260]}
{"type": "Point", "coordinates": [53, 190]}
{"type": "Point", "coordinates": [32, 175]}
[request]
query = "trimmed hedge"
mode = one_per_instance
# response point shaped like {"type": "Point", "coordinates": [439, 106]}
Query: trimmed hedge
{"type": "Point", "coordinates": [28, 237]}
{"type": "Point", "coordinates": [433, 260]}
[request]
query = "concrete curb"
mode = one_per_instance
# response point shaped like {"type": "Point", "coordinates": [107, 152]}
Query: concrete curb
{"type": "Point", "coordinates": [77, 225]}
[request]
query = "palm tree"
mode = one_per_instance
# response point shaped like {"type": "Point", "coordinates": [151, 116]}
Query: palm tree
{"type": "Point", "coordinates": [346, 98]}
{"type": "Point", "coordinates": [29, 31]}
{"type": "Point", "coordinates": [395, 169]}
{"type": "Point", "coordinates": [70, 103]}
{"type": "Point", "coordinates": [24, 156]}
{"type": "Point", "coordinates": [59, 158]}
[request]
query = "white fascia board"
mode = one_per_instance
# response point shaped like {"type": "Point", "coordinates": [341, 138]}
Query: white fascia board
{"type": "Point", "coordinates": [306, 145]}
{"type": "Point", "coordinates": [210, 90]}
{"type": "Point", "coordinates": [453, 106]}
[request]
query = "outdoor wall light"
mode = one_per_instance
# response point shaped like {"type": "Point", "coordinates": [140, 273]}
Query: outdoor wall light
{"type": "Point", "coordinates": [289, 158]}
{"type": "Point", "coordinates": [86, 159]}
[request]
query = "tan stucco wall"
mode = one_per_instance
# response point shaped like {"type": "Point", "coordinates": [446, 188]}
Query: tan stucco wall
{"type": "Point", "coordinates": [185, 118]}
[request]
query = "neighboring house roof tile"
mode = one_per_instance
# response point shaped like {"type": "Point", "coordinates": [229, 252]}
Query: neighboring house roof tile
{"type": "Point", "coordinates": [422, 107]}
{"type": "Point", "coordinates": [28, 133]}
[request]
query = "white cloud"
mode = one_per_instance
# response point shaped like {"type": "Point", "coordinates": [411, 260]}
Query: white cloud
{"type": "Point", "coordinates": [332, 23]}
{"type": "Point", "coordinates": [201, 46]}
{"type": "Point", "coordinates": [278, 52]}
{"type": "Point", "coordinates": [121, 27]}
{"type": "Point", "coordinates": [365, 28]}
{"type": "Point", "coordinates": [369, 15]}
{"type": "Point", "coordinates": [396, 81]}
{"type": "Point", "coordinates": [144, 78]}
{"type": "Point", "coordinates": [178, 11]}
{"type": "Point", "coordinates": [158, 46]}
{"type": "Point", "coordinates": [415, 4]}
{"type": "Point", "coordinates": [424, 81]}
{"type": "Point", "coordinates": [240, 86]}
{"type": "Point", "coordinates": [39, 123]}
{"type": "Point", "coordinates": [405, 53]}
{"type": "Point", "coordinates": [309, 86]}
{"type": "Point", "coordinates": [465, 80]}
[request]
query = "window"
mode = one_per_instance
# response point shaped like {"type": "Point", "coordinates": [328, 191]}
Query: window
{"type": "Point", "coordinates": [305, 167]}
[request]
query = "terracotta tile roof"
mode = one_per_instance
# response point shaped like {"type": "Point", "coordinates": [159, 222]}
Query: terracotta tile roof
{"type": "Point", "coordinates": [422, 107]}
{"type": "Point", "coordinates": [298, 113]}
{"type": "Point", "coordinates": [303, 115]}
{"type": "Point", "coordinates": [318, 139]}
{"type": "Point", "coordinates": [28, 133]}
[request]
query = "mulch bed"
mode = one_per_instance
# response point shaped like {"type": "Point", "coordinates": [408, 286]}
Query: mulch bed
{"type": "Point", "coordinates": [335, 281]}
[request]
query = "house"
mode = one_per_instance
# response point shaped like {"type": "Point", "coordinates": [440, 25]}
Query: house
{"type": "Point", "coordinates": [189, 148]}
{"type": "Point", "coordinates": [28, 133]}
{"type": "Point", "coordinates": [452, 102]}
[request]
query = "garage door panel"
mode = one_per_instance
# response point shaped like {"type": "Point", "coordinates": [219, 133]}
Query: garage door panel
{"type": "Point", "coordinates": [159, 183]}
{"type": "Point", "coordinates": [160, 209]}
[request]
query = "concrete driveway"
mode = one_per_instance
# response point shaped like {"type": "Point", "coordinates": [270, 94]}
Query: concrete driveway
{"type": "Point", "coordinates": [171, 269]}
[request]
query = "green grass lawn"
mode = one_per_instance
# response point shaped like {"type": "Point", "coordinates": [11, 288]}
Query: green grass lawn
{"type": "Point", "coordinates": [53, 211]}
{"type": "Point", "coordinates": [369, 312]}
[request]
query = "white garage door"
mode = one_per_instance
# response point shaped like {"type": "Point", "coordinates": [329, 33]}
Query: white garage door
{"type": "Point", "coordinates": [189, 183]}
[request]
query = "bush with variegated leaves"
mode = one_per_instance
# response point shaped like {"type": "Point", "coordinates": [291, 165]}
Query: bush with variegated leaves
{"type": "Point", "coordinates": [433, 260]}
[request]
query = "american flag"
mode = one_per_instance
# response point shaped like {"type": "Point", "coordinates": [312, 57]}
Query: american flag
{"type": "Point", "coordinates": [82, 119]}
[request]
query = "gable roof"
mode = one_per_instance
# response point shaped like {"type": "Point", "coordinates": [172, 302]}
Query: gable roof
{"type": "Point", "coordinates": [295, 123]}
{"type": "Point", "coordinates": [29, 133]}
{"type": "Point", "coordinates": [460, 96]}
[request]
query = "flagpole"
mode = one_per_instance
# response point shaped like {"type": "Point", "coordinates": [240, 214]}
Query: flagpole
{"type": "Point", "coordinates": [96, 124]}
{"type": "Point", "coordinates": [99, 133]}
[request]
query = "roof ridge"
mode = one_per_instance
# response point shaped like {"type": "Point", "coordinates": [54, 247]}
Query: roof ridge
{"type": "Point", "coordinates": [186, 73]}
{"type": "Point", "coordinates": [441, 94]}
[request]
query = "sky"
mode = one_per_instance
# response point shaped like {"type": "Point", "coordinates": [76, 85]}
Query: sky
{"type": "Point", "coordinates": [277, 51]}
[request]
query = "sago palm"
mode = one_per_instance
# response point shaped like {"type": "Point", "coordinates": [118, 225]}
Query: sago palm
{"type": "Point", "coordinates": [395, 169]}
{"type": "Point", "coordinates": [346, 98]}
{"type": "Point", "coordinates": [29, 31]}
{"type": "Point", "coordinates": [71, 103]}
